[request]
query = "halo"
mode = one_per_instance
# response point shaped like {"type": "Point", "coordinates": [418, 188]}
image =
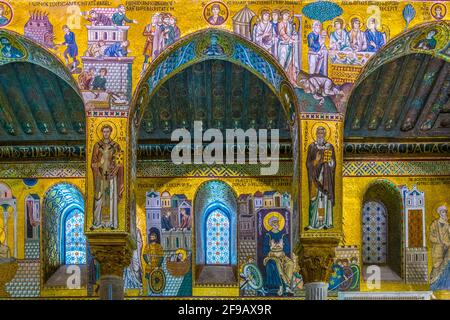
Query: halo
{"type": "Point", "coordinates": [344, 22]}
{"type": "Point", "coordinates": [264, 9]}
{"type": "Point", "coordinates": [360, 19]}
{"type": "Point", "coordinates": [11, 11]}
{"type": "Point", "coordinates": [438, 5]}
{"type": "Point", "coordinates": [222, 6]}
{"type": "Point", "coordinates": [286, 9]}
{"type": "Point", "coordinates": [183, 253]}
{"type": "Point", "coordinates": [320, 124]}
{"type": "Point", "coordinates": [436, 206]}
{"type": "Point", "coordinates": [101, 125]}
{"type": "Point", "coordinates": [377, 19]}
{"type": "Point", "coordinates": [273, 214]}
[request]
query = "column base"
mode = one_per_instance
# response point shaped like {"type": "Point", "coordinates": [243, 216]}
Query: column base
{"type": "Point", "coordinates": [316, 291]}
{"type": "Point", "coordinates": [111, 288]}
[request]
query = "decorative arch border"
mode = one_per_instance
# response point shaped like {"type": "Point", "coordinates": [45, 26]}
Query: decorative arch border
{"type": "Point", "coordinates": [193, 49]}
{"type": "Point", "coordinates": [33, 52]}
{"type": "Point", "coordinates": [404, 44]}
{"type": "Point", "coordinates": [53, 220]}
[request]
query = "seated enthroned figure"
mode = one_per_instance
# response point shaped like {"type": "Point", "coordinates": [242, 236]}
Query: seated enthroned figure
{"type": "Point", "coordinates": [279, 267]}
{"type": "Point", "coordinates": [374, 38]}
{"type": "Point", "coordinates": [339, 39]}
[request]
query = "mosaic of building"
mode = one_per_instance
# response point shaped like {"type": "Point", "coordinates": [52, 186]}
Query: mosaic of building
{"type": "Point", "coordinates": [93, 203]}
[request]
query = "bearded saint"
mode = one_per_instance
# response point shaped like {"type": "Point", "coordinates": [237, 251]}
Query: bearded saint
{"type": "Point", "coordinates": [321, 164]}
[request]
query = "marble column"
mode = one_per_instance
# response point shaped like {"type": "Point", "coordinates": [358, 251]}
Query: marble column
{"type": "Point", "coordinates": [5, 222]}
{"type": "Point", "coordinates": [316, 291]}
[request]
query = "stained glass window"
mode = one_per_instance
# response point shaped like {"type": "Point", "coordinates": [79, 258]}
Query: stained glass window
{"type": "Point", "coordinates": [217, 238]}
{"type": "Point", "coordinates": [374, 233]}
{"type": "Point", "coordinates": [75, 244]}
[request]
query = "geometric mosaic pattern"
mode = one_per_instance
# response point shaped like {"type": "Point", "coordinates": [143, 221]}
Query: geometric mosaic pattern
{"type": "Point", "coordinates": [27, 281]}
{"type": "Point", "coordinates": [217, 238]}
{"type": "Point", "coordinates": [68, 169]}
{"type": "Point", "coordinates": [388, 168]}
{"type": "Point", "coordinates": [374, 233]}
{"type": "Point", "coordinates": [75, 238]}
{"type": "Point", "coordinates": [32, 249]}
{"type": "Point", "coordinates": [146, 168]}
{"type": "Point", "coordinates": [168, 169]}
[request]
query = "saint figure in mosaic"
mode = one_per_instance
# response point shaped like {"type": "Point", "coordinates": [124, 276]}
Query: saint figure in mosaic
{"type": "Point", "coordinates": [107, 168]}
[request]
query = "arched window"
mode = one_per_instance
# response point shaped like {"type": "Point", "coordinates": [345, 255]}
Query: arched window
{"type": "Point", "coordinates": [217, 238]}
{"type": "Point", "coordinates": [64, 242]}
{"type": "Point", "coordinates": [75, 241]}
{"type": "Point", "coordinates": [382, 229]}
{"type": "Point", "coordinates": [374, 233]}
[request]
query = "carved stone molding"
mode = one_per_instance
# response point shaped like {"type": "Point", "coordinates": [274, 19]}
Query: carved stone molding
{"type": "Point", "coordinates": [315, 258]}
{"type": "Point", "coordinates": [113, 252]}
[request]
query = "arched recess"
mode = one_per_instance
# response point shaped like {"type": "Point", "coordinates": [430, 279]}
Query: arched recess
{"type": "Point", "coordinates": [211, 45]}
{"type": "Point", "coordinates": [214, 44]}
{"type": "Point", "coordinates": [215, 207]}
{"type": "Point", "coordinates": [39, 98]}
{"type": "Point", "coordinates": [402, 91]}
{"type": "Point", "coordinates": [382, 229]}
{"type": "Point", "coordinates": [63, 240]}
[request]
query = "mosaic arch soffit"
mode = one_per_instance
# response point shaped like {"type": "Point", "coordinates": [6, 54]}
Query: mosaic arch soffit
{"type": "Point", "coordinates": [33, 52]}
{"type": "Point", "coordinates": [391, 77]}
{"type": "Point", "coordinates": [214, 191]}
{"type": "Point", "coordinates": [382, 190]}
{"type": "Point", "coordinates": [404, 44]}
{"type": "Point", "coordinates": [66, 191]}
{"type": "Point", "coordinates": [193, 49]}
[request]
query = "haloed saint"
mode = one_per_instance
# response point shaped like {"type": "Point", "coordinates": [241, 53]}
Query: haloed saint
{"type": "Point", "coordinates": [107, 168]}
{"type": "Point", "coordinates": [321, 165]}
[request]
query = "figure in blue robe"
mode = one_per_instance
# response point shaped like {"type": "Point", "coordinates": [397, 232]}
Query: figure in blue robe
{"type": "Point", "coordinates": [170, 35]}
{"type": "Point", "coordinates": [118, 49]}
{"type": "Point", "coordinates": [443, 281]}
{"type": "Point", "coordinates": [374, 38]}
{"type": "Point", "coordinates": [119, 17]}
{"type": "Point", "coordinates": [71, 48]}
{"type": "Point", "coordinates": [166, 224]}
{"type": "Point", "coordinates": [279, 267]}
{"type": "Point", "coordinates": [317, 53]}
{"type": "Point", "coordinates": [3, 21]}
{"type": "Point", "coordinates": [9, 51]}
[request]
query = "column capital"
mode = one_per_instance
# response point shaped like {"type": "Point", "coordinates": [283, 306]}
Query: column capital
{"type": "Point", "coordinates": [315, 258]}
{"type": "Point", "coordinates": [113, 252]}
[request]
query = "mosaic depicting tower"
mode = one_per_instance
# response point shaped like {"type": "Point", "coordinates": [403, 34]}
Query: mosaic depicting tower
{"type": "Point", "coordinates": [416, 256]}
{"type": "Point", "coordinates": [167, 214]}
{"type": "Point", "coordinates": [118, 87]}
{"type": "Point", "coordinates": [40, 29]}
